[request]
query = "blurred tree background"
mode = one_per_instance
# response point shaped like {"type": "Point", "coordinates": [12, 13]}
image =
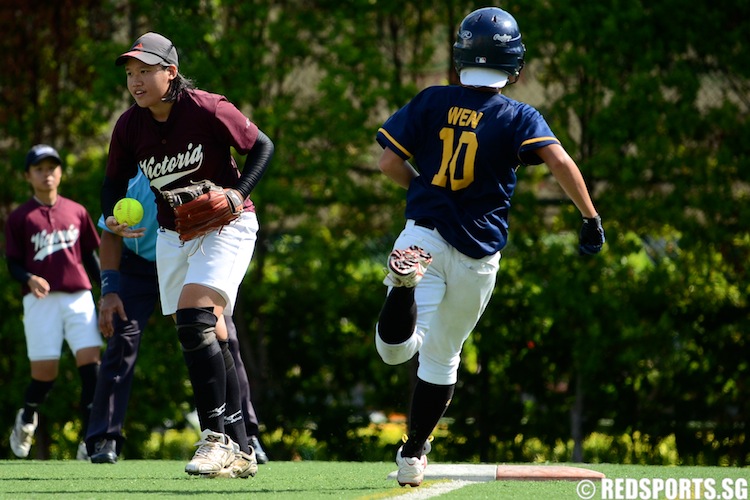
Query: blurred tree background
{"type": "Point", "coordinates": [642, 349]}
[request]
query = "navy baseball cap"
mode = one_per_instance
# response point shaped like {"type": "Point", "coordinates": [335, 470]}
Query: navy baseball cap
{"type": "Point", "coordinates": [151, 48]}
{"type": "Point", "coordinates": [39, 153]}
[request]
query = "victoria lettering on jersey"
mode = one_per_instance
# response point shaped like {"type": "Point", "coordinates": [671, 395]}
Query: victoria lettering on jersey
{"type": "Point", "coordinates": [172, 168]}
{"type": "Point", "coordinates": [45, 244]}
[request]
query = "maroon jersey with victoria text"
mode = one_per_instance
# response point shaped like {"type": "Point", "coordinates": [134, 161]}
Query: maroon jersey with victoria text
{"type": "Point", "coordinates": [192, 145]}
{"type": "Point", "coordinates": [50, 241]}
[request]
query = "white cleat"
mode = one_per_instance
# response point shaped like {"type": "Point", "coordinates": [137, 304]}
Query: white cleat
{"type": "Point", "coordinates": [244, 465]}
{"type": "Point", "coordinates": [22, 435]}
{"type": "Point", "coordinates": [406, 267]}
{"type": "Point", "coordinates": [215, 452]}
{"type": "Point", "coordinates": [82, 453]}
{"type": "Point", "coordinates": [411, 469]}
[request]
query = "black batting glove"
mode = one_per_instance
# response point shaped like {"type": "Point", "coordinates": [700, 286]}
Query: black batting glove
{"type": "Point", "coordinates": [592, 236]}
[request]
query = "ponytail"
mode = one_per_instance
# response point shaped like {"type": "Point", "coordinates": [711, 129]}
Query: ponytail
{"type": "Point", "coordinates": [179, 84]}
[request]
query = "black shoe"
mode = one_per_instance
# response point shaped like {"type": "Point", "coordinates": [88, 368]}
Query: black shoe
{"type": "Point", "coordinates": [105, 452]}
{"type": "Point", "coordinates": [260, 454]}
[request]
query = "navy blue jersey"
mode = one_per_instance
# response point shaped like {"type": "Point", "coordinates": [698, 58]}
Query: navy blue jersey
{"type": "Point", "coordinates": [466, 144]}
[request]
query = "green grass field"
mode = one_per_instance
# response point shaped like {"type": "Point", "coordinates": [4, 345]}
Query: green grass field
{"type": "Point", "coordinates": [140, 479]}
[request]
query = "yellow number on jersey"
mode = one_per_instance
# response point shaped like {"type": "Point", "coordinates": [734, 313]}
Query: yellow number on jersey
{"type": "Point", "coordinates": [451, 174]}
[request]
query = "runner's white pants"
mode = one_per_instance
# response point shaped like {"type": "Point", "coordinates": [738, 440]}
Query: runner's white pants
{"type": "Point", "coordinates": [451, 297]}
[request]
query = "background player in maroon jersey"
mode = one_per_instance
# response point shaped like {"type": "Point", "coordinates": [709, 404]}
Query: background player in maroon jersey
{"type": "Point", "coordinates": [467, 142]}
{"type": "Point", "coordinates": [177, 135]}
{"type": "Point", "coordinates": [51, 243]}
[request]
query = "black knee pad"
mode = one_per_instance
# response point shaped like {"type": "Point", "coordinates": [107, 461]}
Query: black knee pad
{"type": "Point", "coordinates": [196, 328]}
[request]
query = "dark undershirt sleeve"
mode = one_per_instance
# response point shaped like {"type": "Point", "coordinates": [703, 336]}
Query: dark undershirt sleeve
{"type": "Point", "coordinates": [17, 271]}
{"type": "Point", "coordinates": [91, 264]}
{"type": "Point", "coordinates": [255, 164]}
{"type": "Point", "coordinates": [113, 190]}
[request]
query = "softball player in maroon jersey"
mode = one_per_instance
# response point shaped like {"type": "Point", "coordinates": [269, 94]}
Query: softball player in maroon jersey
{"type": "Point", "coordinates": [130, 291]}
{"type": "Point", "coordinates": [177, 134]}
{"type": "Point", "coordinates": [466, 141]}
{"type": "Point", "coordinates": [50, 245]}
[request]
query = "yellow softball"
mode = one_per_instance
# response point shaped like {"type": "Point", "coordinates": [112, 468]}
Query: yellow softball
{"type": "Point", "coordinates": [128, 211]}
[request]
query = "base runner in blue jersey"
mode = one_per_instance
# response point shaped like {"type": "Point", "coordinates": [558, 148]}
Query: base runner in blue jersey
{"type": "Point", "coordinates": [456, 150]}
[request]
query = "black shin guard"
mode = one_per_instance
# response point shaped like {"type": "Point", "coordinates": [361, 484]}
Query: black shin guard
{"type": "Point", "coordinates": [89, 374]}
{"type": "Point", "coordinates": [427, 407]}
{"type": "Point", "coordinates": [233, 421]}
{"type": "Point", "coordinates": [398, 317]}
{"type": "Point", "coordinates": [205, 364]}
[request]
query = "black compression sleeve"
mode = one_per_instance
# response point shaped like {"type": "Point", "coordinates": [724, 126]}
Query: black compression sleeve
{"type": "Point", "coordinates": [113, 190]}
{"type": "Point", "coordinates": [17, 271]}
{"type": "Point", "coordinates": [255, 164]}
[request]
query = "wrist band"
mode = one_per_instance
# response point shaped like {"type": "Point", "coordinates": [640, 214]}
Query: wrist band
{"type": "Point", "coordinates": [110, 281]}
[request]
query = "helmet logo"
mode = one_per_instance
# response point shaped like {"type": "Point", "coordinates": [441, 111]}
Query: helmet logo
{"type": "Point", "coordinates": [504, 39]}
{"type": "Point", "coordinates": [465, 34]}
{"type": "Point", "coordinates": [480, 60]}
